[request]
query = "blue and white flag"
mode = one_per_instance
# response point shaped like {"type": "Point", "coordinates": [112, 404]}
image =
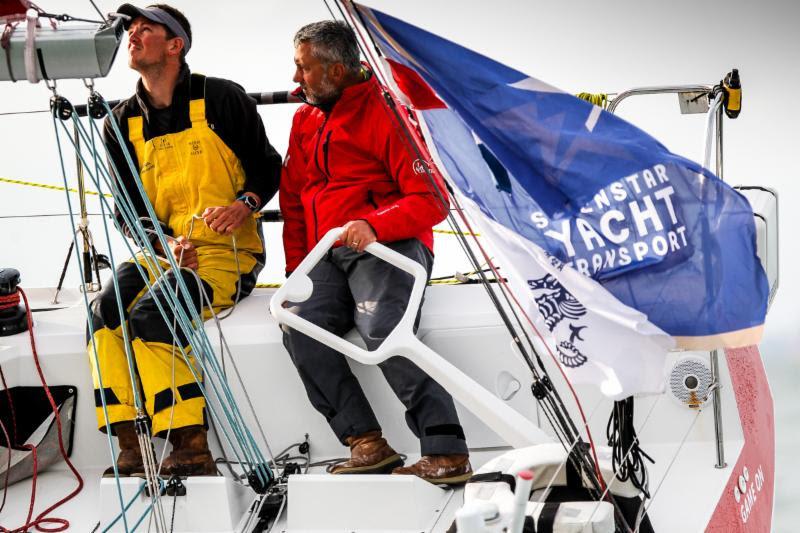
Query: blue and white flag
{"type": "Point", "coordinates": [621, 248]}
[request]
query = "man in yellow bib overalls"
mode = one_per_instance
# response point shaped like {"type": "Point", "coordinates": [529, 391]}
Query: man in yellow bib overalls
{"type": "Point", "coordinates": [206, 166]}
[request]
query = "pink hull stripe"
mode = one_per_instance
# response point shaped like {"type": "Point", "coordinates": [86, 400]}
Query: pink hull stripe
{"type": "Point", "coordinates": [752, 479]}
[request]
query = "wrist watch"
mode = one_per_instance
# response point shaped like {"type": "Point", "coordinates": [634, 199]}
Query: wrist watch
{"type": "Point", "coordinates": [249, 201]}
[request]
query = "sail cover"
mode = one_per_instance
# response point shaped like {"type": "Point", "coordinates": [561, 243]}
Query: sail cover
{"type": "Point", "coordinates": [29, 421]}
{"type": "Point", "coordinates": [618, 247]}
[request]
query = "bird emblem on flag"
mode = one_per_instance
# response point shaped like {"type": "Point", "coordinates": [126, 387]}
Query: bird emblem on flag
{"type": "Point", "coordinates": [555, 305]}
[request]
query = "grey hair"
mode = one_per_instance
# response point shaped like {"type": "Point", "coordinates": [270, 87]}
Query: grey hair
{"type": "Point", "coordinates": [331, 42]}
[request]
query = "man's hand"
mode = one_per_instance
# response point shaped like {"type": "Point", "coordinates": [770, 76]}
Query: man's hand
{"type": "Point", "coordinates": [226, 219]}
{"type": "Point", "coordinates": [357, 234]}
{"type": "Point", "coordinates": [184, 251]}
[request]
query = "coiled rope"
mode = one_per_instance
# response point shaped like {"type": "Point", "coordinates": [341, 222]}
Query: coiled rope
{"type": "Point", "coordinates": [599, 99]}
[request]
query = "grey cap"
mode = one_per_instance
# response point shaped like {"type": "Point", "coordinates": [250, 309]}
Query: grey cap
{"type": "Point", "coordinates": [156, 14]}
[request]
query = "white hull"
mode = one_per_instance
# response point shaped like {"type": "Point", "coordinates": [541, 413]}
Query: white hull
{"type": "Point", "coordinates": [460, 324]}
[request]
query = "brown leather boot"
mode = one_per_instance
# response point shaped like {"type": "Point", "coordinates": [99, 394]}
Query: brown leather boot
{"type": "Point", "coordinates": [190, 455]}
{"type": "Point", "coordinates": [129, 461]}
{"type": "Point", "coordinates": [369, 454]}
{"type": "Point", "coordinates": [440, 469]}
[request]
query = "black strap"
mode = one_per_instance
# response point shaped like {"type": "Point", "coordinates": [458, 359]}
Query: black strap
{"type": "Point", "coordinates": [574, 480]}
{"type": "Point", "coordinates": [547, 517]}
{"type": "Point", "coordinates": [111, 397]}
{"type": "Point", "coordinates": [529, 526]}
{"type": "Point", "coordinates": [495, 477]}
{"type": "Point", "coordinates": [197, 87]}
{"type": "Point", "coordinates": [190, 390]}
{"type": "Point", "coordinates": [162, 400]}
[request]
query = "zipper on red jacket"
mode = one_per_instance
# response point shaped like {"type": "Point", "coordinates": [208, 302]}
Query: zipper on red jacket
{"type": "Point", "coordinates": [316, 161]}
{"type": "Point", "coordinates": [325, 148]}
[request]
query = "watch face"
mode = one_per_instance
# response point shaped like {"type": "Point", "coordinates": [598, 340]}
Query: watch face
{"type": "Point", "coordinates": [249, 201]}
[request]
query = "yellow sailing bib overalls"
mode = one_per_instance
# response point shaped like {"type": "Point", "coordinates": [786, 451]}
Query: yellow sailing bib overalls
{"type": "Point", "coordinates": [183, 173]}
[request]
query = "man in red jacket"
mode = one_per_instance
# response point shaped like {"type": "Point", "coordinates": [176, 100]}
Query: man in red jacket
{"type": "Point", "coordinates": [350, 165]}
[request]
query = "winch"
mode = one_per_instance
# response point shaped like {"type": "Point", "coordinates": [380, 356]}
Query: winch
{"type": "Point", "coordinates": [12, 315]}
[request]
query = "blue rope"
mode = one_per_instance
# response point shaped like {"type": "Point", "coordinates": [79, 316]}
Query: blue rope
{"type": "Point", "coordinates": [172, 299]}
{"type": "Point", "coordinates": [200, 335]}
{"type": "Point", "coordinates": [128, 506]}
{"type": "Point", "coordinates": [91, 329]}
{"type": "Point", "coordinates": [198, 340]}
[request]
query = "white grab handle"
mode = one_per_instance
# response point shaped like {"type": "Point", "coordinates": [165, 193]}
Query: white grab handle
{"type": "Point", "coordinates": [510, 425]}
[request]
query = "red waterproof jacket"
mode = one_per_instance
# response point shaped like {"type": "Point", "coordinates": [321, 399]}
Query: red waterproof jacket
{"type": "Point", "coordinates": [356, 162]}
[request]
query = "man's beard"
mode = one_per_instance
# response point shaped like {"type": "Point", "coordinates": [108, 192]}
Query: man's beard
{"type": "Point", "coordinates": [143, 65]}
{"type": "Point", "coordinates": [327, 93]}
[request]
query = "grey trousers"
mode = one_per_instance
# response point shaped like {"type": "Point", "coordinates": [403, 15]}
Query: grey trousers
{"type": "Point", "coordinates": [352, 289]}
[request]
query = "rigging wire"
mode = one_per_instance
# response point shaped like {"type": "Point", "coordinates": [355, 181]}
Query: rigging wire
{"type": "Point", "coordinates": [590, 464]}
{"type": "Point", "coordinates": [102, 16]}
{"type": "Point", "coordinates": [372, 61]}
{"type": "Point", "coordinates": [329, 9]}
{"type": "Point", "coordinates": [11, 113]}
{"type": "Point", "coordinates": [89, 324]}
{"type": "Point", "coordinates": [44, 215]}
{"type": "Point", "coordinates": [568, 450]}
{"type": "Point", "coordinates": [64, 17]}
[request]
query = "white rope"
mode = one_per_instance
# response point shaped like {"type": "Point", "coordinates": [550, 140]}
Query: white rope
{"type": "Point", "coordinates": [224, 342]}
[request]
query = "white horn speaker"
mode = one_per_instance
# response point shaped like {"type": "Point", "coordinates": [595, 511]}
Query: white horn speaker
{"type": "Point", "coordinates": [690, 381]}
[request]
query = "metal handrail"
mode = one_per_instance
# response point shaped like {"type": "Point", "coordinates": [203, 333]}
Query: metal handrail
{"type": "Point", "coordinates": [709, 90]}
{"type": "Point", "coordinates": [265, 98]}
{"type": "Point", "coordinates": [664, 89]}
